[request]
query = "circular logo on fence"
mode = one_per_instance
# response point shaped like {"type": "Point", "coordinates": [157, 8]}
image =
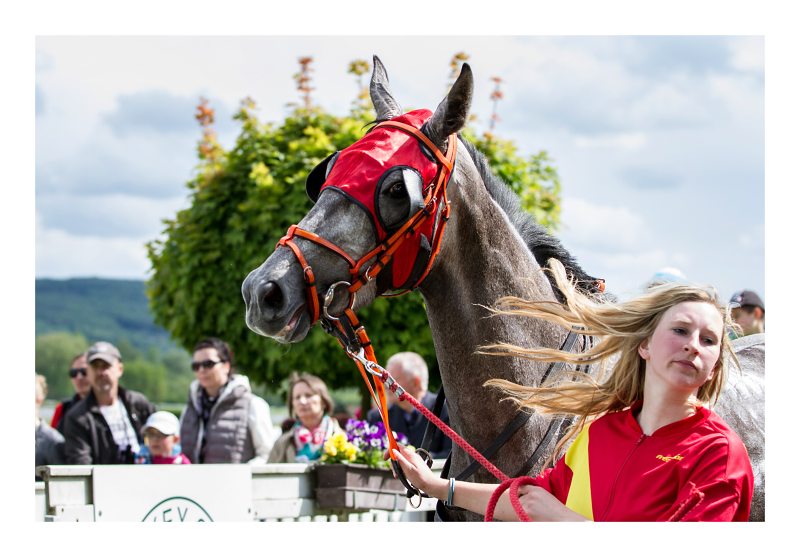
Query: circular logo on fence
{"type": "Point", "coordinates": [177, 509]}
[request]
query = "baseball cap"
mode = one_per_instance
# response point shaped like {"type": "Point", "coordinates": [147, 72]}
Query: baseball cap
{"type": "Point", "coordinates": [664, 276]}
{"type": "Point", "coordinates": [103, 351]}
{"type": "Point", "coordinates": [746, 298]}
{"type": "Point", "coordinates": [668, 274]}
{"type": "Point", "coordinates": [163, 421]}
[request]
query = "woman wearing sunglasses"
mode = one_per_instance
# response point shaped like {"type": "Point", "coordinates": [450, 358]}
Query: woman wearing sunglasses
{"type": "Point", "coordinates": [223, 421]}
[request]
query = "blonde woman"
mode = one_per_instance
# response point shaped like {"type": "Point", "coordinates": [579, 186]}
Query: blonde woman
{"type": "Point", "coordinates": [645, 446]}
{"type": "Point", "coordinates": [311, 407]}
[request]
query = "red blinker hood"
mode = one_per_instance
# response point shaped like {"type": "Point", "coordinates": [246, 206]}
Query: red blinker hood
{"type": "Point", "coordinates": [357, 172]}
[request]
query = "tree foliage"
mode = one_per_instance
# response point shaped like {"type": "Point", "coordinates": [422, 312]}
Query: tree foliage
{"type": "Point", "coordinates": [161, 376]}
{"type": "Point", "coordinates": [242, 202]}
{"type": "Point", "coordinates": [54, 353]}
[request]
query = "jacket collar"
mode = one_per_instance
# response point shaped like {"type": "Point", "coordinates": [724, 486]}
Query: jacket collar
{"type": "Point", "coordinates": [236, 380]}
{"type": "Point", "coordinates": [681, 426]}
{"type": "Point", "coordinates": [94, 406]}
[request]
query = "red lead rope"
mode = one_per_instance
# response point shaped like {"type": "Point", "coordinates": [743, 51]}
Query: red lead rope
{"type": "Point", "coordinates": [367, 364]}
{"type": "Point", "coordinates": [506, 483]}
{"type": "Point", "coordinates": [496, 472]}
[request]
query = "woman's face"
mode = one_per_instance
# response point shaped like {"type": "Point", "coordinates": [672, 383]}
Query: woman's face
{"type": "Point", "coordinates": [212, 373]}
{"type": "Point", "coordinates": [684, 348]}
{"type": "Point", "coordinates": [306, 404]}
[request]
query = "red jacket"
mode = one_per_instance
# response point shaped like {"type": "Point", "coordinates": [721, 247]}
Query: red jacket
{"type": "Point", "coordinates": [696, 469]}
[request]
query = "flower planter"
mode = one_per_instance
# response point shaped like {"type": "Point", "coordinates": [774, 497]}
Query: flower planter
{"type": "Point", "coordinates": [357, 487]}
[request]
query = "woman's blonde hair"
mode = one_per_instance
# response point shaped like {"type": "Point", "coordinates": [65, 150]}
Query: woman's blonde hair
{"type": "Point", "coordinates": [620, 328]}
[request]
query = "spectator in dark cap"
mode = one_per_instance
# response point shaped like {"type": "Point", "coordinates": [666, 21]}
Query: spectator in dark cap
{"type": "Point", "coordinates": [747, 310]}
{"type": "Point", "coordinates": [105, 427]}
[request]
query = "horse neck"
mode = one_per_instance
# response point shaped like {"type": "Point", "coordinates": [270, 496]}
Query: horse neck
{"type": "Point", "coordinates": [482, 258]}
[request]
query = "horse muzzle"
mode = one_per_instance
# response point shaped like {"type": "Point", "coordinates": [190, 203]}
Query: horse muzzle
{"type": "Point", "coordinates": [275, 306]}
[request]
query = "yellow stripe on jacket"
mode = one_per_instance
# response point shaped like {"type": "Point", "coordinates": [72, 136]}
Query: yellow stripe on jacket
{"type": "Point", "coordinates": [579, 498]}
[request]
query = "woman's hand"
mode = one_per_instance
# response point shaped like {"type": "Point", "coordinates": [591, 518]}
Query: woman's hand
{"type": "Point", "coordinates": [542, 506]}
{"type": "Point", "coordinates": [419, 474]}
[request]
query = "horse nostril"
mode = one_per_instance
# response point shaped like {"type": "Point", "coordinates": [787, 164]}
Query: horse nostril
{"type": "Point", "coordinates": [270, 298]}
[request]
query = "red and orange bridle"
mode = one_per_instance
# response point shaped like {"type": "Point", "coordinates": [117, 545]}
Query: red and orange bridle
{"type": "Point", "coordinates": [429, 221]}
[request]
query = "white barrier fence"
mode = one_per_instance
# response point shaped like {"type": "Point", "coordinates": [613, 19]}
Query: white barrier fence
{"type": "Point", "coordinates": [209, 492]}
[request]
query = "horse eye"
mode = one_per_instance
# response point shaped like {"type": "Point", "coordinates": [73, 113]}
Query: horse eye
{"type": "Point", "coordinates": [397, 190]}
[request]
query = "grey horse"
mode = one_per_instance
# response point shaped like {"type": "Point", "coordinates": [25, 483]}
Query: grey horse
{"type": "Point", "coordinates": [491, 248]}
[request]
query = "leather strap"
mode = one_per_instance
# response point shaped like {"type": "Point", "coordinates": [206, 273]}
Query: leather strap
{"type": "Point", "coordinates": [427, 437]}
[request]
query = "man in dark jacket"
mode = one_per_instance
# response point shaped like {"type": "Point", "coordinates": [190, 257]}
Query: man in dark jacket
{"type": "Point", "coordinates": [410, 370]}
{"type": "Point", "coordinates": [105, 427]}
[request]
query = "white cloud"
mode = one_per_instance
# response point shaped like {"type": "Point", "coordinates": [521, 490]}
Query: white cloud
{"type": "Point", "coordinates": [145, 164]}
{"type": "Point", "coordinates": [747, 54]}
{"type": "Point", "coordinates": [632, 141]}
{"type": "Point", "coordinates": [107, 216]}
{"type": "Point", "coordinates": [602, 227]}
{"type": "Point", "coordinates": [752, 239]}
{"type": "Point", "coordinates": [676, 101]}
{"type": "Point", "coordinates": [61, 255]}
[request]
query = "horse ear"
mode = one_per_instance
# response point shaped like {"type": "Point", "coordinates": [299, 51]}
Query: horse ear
{"type": "Point", "coordinates": [386, 107]}
{"type": "Point", "coordinates": [452, 112]}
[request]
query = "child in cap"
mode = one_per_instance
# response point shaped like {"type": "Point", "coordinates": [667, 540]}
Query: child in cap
{"type": "Point", "coordinates": [161, 440]}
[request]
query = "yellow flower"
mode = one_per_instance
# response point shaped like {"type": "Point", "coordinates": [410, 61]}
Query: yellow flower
{"type": "Point", "coordinates": [339, 440]}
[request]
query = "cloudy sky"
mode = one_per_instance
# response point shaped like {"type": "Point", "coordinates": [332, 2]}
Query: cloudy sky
{"type": "Point", "coordinates": [659, 141]}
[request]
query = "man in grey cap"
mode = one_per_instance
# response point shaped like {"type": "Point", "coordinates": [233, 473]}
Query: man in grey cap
{"type": "Point", "coordinates": [747, 309]}
{"type": "Point", "coordinates": [105, 427]}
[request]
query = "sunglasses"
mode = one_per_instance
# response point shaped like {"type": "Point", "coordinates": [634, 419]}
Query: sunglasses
{"type": "Point", "coordinates": [75, 371]}
{"type": "Point", "coordinates": [206, 364]}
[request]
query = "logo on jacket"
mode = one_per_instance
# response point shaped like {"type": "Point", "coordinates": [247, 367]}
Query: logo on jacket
{"type": "Point", "coordinates": [668, 458]}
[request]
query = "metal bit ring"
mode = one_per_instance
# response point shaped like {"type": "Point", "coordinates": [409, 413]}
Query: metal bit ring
{"type": "Point", "coordinates": [331, 293]}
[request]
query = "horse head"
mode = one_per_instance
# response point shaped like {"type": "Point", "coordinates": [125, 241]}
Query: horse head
{"type": "Point", "coordinates": [373, 226]}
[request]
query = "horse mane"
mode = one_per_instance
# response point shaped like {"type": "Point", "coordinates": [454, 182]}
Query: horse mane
{"type": "Point", "coordinates": [541, 243]}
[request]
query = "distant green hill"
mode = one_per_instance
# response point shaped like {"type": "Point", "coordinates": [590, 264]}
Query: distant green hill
{"type": "Point", "coordinates": [100, 309]}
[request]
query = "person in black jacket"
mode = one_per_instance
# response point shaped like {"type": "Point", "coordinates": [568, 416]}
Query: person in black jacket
{"type": "Point", "coordinates": [105, 427]}
{"type": "Point", "coordinates": [411, 372]}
